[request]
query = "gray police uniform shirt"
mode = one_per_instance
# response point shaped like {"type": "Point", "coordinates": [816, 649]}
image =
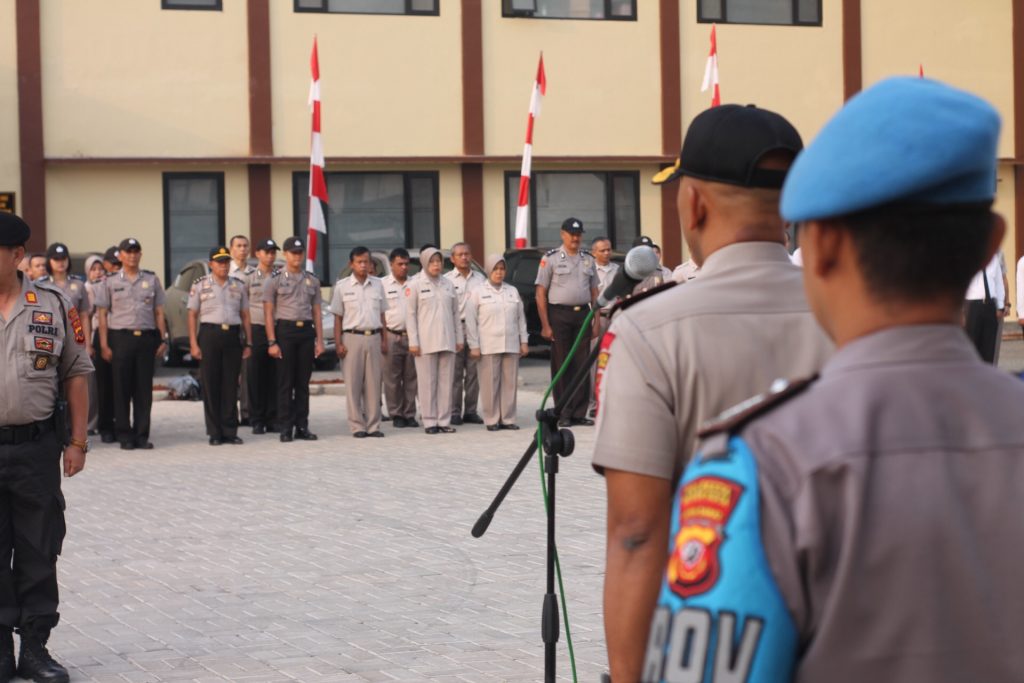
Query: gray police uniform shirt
{"type": "Point", "coordinates": [432, 314]}
{"type": "Point", "coordinates": [131, 303]}
{"type": "Point", "coordinates": [568, 279]}
{"type": "Point", "coordinates": [686, 354]}
{"type": "Point", "coordinates": [75, 290]}
{"type": "Point", "coordinates": [890, 517]}
{"type": "Point", "coordinates": [605, 274]}
{"type": "Point", "coordinates": [293, 295]}
{"type": "Point", "coordinates": [394, 292]}
{"type": "Point", "coordinates": [40, 348]}
{"type": "Point", "coordinates": [218, 304]}
{"type": "Point", "coordinates": [360, 304]}
{"type": "Point", "coordinates": [495, 321]}
{"type": "Point", "coordinates": [464, 286]}
{"type": "Point", "coordinates": [254, 280]}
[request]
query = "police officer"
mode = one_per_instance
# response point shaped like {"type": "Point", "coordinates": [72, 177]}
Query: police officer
{"type": "Point", "coordinates": [680, 356]}
{"type": "Point", "coordinates": [399, 365]}
{"type": "Point", "coordinates": [104, 373]}
{"type": "Point", "coordinates": [133, 333]}
{"type": "Point", "coordinates": [112, 260]}
{"type": "Point", "coordinates": [295, 336]}
{"type": "Point", "coordinates": [877, 544]}
{"type": "Point", "coordinates": [218, 314]}
{"type": "Point", "coordinates": [601, 250]}
{"type": "Point", "coordinates": [566, 286]}
{"type": "Point", "coordinates": [44, 348]}
{"type": "Point", "coordinates": [238, 245]}
{"type": "Point", "coordinates": [660, 276]}
{"type": "Point", "coordinates": [497, 338]}
{"type": "Point", "coordinates": [262, 383]}
{"type": "Point", "coordinates": [466, 383]}
{"type": "Point", "coordinates": [58, 264]}
{"type": "Point", "coordinates": [435, 336]}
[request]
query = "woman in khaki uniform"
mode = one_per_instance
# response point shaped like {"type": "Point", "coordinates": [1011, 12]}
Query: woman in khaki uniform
{"type": "Point", "coordinates": [496, 334]}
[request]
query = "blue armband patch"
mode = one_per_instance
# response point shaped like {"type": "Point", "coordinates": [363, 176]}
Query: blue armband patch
{"type": "Point", "coordinates": [720, 615]}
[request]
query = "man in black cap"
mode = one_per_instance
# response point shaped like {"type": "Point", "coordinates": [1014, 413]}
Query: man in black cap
{"type": "Point", "coordinates": [112, 260]}
{"type": "Point", "coordinates": [566, 287]}
{"type": "Point", "coordinates": [44, 351]}
{"type": "Point", "coordinates": [262, 382]}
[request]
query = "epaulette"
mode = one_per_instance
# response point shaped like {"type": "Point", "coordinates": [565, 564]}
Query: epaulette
{"type": "Point", "coordinates": [623, 304]}
{"type": "Point", "coordinates": [199, 279]}
{"type": "Point", "coordinates": [147, 272]}
{"type": "Point", "coordinates": [76, 277]}
{"type": "Point", "coordinates": [237, 276]}
{"type": "Point", "coordinates": [48, 286]}
{"type": "Point", "coordinates": [714, 434]}
{"type": "Point", "coordinates": [45, 278]}
{"type": "Point", "coordinates": [553, 251]}
{"type": "Point", "coordinates": [249, 270]}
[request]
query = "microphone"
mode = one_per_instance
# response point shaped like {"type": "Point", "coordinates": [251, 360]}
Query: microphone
{"type": "Point", "coordinates": [641, 262]}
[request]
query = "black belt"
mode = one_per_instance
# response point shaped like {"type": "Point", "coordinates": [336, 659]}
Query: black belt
{"type": "Point", "coordinates": [400, 333]}
{"type": "Point", "coordinates": [295, 323]}
{"type": "Point", "coordinates": [16, 434]}
{"type": "Point", "coordinates": [220, 326]}
{"type": "Point", "coordinates": [570, 307]}
{"type": "Point", "coordinates": [136, 333]}
{"type": "Point", "coordinates": [365, 333]}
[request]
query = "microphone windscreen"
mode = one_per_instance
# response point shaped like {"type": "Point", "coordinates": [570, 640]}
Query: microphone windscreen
{"type": "Point", "coordinates": [641, 262]}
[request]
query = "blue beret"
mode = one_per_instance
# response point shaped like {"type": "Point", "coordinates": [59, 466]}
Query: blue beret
{"type": "Point", "coordinates": [902, 141]}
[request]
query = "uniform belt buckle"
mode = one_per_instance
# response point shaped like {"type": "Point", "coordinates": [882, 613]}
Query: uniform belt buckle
{"type": "Point", "coordinates": [225, 327]}
{"type": "Point", "coordinates": [300, 323]}
{"type": "Point", "coordinates": [137, 333]}
{"type": "Point", "coordinates": [577, 308]}
{"type": "Point", "coordinates": [367, 333]}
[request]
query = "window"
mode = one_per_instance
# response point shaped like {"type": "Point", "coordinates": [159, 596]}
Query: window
{"type": "Point", "coordinates": [191, 4]}
{"type": "Point", "coordinates": [193, 218]}
{"type": "Point", "coordinates": [570, 9]}
{"type": "Point", "coordinates": [424, 7]}
{"type": "Point", "coordinates": [608, 203]}
{"type": "Point", "coordinates": [785, 12]}
{"type": "Point", "coordinates": [375, 210]}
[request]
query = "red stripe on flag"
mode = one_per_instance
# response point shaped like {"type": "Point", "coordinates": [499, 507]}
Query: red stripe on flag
{"type": "Point", "coordinates": [316, 116]}
{"type": "Point", "coordinates": [714, 42]}
{"type": "Point", "coordinates": [524, 190]}
{"type": "Point", "coordinates": [542, 79]}
{"type": "Point", "coordinates": [318, 188]}
{"type": "Point", "coordinates": [716, 98]}
{"type": "Point", "coordinates": [520, 244]}
{"type": "Point", "coordinates": [529, 129]}
{"type": "Point", "coordinates": [311, 245]}
{"type": "Point", "coordinates": [314, 62]}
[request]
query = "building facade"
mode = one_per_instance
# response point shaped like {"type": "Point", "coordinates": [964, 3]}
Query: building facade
{"type": "Point", "coordinates": [183, 122]}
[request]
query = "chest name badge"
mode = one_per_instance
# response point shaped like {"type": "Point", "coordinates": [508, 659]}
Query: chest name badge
{"type": "Point", "coordinates": [43, 343]}
{"type": "Point", "coordinates": [42, 318]}
{"type": "Point", "coordinates": [145, 285]}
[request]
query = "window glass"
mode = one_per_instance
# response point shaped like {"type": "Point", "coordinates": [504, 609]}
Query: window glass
{"type": "Point", "coordinates": [190, 4]}
{"type": "Point", "coordinates": [809, 11]}
{"type": "Point", "coordinates": [781, 12]}
{"type": "Point", "coordinates": [627, 211]}
{"type": "Point", "coordinates": [368, 6]}
{"type": "Point", "coordinates": [570, 9]}
{"type": "Point", "coordinates": [194, 218]}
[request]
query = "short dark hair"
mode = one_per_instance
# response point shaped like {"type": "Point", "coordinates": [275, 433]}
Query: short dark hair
{"type": "Point", "coordinates": [37, 254]}
{"type": "Point", "coordinates": [398, 252]}
{"type": "Point", "coordinates": [600, 238]}
{"type": "Point", "coordinates": [231, 242]}
{"type": "Point", "coordinates": [919, 254]}
{"type": "Point", "coordinates": [357, 251]}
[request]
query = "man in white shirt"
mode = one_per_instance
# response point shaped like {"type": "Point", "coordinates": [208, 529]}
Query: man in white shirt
{"type": "Point", "coordinates": [986, 297]}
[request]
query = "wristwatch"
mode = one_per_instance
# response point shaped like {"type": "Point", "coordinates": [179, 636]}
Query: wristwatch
{"type": "Point", "coordinates": [84, 445]}
{"type": "Point", "coordinates": [271, 342]}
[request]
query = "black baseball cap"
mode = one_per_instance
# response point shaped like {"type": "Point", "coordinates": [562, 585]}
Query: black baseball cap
{"type": "Point", "coordinates": [725, 144]}
{"type": "Point", "coordinates": [14, 232]}
{"type": "Point", "coordinates": [643, 241]}
{"type": "Point", "coordinates": [573, 225]}
{"type": "Point", "coordinates": [57, 250]}
{"type": "Point", "coordinates": [294, 244]}
{"type": "Point", "coordinates": [129, 244]}
{"type": "Point", "coordinates": [220, 254]}
{"type": "Point", "coordinates": [112, 255]}
{"type": "Point", "coordinates": [267, 245]}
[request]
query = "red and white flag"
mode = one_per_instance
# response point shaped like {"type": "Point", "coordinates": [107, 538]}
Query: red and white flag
{"type": "Point", "coordinates": [317, 184]}
{"type": "Point", "coordinates": [711, 71]}
{"type": "Point", "coordinates": [920, 70]}
{"type": "Point", "coordinates": [540, 87]}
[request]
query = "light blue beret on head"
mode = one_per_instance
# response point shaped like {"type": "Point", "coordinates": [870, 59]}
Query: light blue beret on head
{"type": "Point", "coordinates": [906, 141]}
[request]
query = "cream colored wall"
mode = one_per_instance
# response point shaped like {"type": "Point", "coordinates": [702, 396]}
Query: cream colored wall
{"type": "Point", "coordinates": [968, 45]}
{"type": "Point", "coordinates": [10, 171]}
{"type": "Point", "coordinates": [390, 85]}
{"type": "Point", "coordinates": [125, 78]}
{"type": "Point", "coordinates": [604, 85]}
{"type": "Point", "coordinates": [796, 71]}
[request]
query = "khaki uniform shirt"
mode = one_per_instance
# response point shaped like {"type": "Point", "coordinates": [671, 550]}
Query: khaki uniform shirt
{"type": "Point", "coordinates": [687, 354]}
{"type": "Point", "coordinates": [394, 292]}
{"type": "Point", "coordinates": [293, 295]}
{"type": "Point", "coordinates": [464, 286]}
{"type": "Point", "coordinates": [254, 280]}
{"type": "Point", "coordinates": [495, 321]}
{"type": "Point", "coordinates": [568, 279]}
{"type": "Point", "coordinates": [131, 303]}
{"type": "Point", "coordinates": [432, 310]}
{"type": "Point", "coordinates": [40, 347]}
{"type": "Point", "coordinates": [605, 274]}
{"type": "Point", "coordinates": [76, 291]}
{"type": "Point", "coordinates": [218, 304]}
{"type": "Point", "coordinates": [360, 304]}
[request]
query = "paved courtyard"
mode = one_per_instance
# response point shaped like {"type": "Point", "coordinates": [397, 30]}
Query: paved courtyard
{"type": "Point", "coordinates": [338, 560]}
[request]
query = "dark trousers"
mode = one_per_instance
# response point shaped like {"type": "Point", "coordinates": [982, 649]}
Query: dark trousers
{"type": "Point", "coordinates": [982, 325]}
{"type": "Point", "coordinates": [104, 390]}
{"type": "Point", "coordinates": [132, 365]}
{"type": "Point", "coordinates": [262, 380]}
{"type": "Point", "coordinates": [565, 325]}
{"type": "Point", "coordinates": [218, 371]}
{"type": "Point", "coordinates": [31, 534]}
{"type": "Point", "coordinates": [294, 370]}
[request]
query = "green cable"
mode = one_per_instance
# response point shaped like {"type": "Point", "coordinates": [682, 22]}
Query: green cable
{"type": "Point", "coordinates": [544, 487]}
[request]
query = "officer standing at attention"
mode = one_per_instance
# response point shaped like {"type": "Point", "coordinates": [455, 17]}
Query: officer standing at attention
{"type": "Point", "coordinates": [112, 260]}
{"type": "Point", "coordinates": [45, 362]}
{"type": "Point", "coordinates": [238, 246]}
{"type": "Point", "coordinates": [566, 286]}
{"type": "Point", "coordinates": [465, 280]}
{"type": "Point", "coordinates": [601, 250]}
{"type": "Point", "coordinates": [399, 365]}
{"type": "Point", "coordinates": [862, 528]}
{"type": "Point", "coordinates": [680, 356]}
{"type": "Point", "coordinates": [358, 306]}
{"type": "Point", "coordinates": [435, 336]}
{"type": "Point", "coordinates": [104, 373]}
{"type": "Point", "coordinates": [295, 336]}
{"type": "Point", "coordinates": [57, 264]}
{"type": "Point", "coordinates": [218, 313]}
{"type": "Point", "coordinates": [262, 383]}
{"type": "Point", "coordinates": [133, 333]}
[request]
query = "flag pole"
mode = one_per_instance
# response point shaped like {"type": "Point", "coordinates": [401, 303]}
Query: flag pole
{"type": "Point", "coordinates": [711, 71]}
{"type": "Point", "coordinates": [540, 86]}
{"type": "Point", "coordinates": [317, 184]}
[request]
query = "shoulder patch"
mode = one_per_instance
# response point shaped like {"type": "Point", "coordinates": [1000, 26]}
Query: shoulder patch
{"type": "Point", "coordinates": [625, 303]}
{"type": "Point", "coordinates": [198, 280]}
{"type": "Point", "coordinates": [735, 418]}
{"type": "Point", "coordinates": [76, 277]}
{"type": "Point", "coordinates": [147, 272]}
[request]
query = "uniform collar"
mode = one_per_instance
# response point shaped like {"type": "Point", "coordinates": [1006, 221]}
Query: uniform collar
{"type": "Point", "coordinates": [904, 345]}
{"type": "Point", "coordinates": [355, 281]}
{"type": "Point", "coordinates": [744, 254]}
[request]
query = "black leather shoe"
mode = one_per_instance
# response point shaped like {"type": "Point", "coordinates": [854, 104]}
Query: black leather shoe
{"type": "Point", "coordinates": [582, 422]}
{"type": "Point", "coordinates": [456, 419]}
{"type": "Point", "coordinates": [512, 427]}
{"type": "Point", "coordinates": [446, 430]}
{"type": "Point", "coordinates": [565, 423]}
{"type": "Point", "coordinates": [271, 429]}
{"type": "Point", "coordinates": [360, 435]}
{"type": "Point", "coordinates": [286, 437]}
{"type": "Point", "coordinates": [7, 668]}
{"type": "Point", "coordinates": [36, 664]}
{"type": "Point", "coordinates": [493, 428]}
{"type": "Point", "coordinates": [244, 422]}
{"type": "Point", "coordinates": [472, 419]}
{"type": "Point", "coordinates": [305, 435]}
{"type": "Point", "coordinates": [214, 441]}
{"type": "Point", "coordinates": [144, 445]}
{"type": "Point", "coordinates": [432, 430]}
{"type": "Point", "coordinates": [233, 440]}
{"type": "Point", "coordinates": [107, 438]}
{"type": "Point", "coordinates": [411, 422]}
{"type": "Point", "coordinates": [259, 429]}
{"type": "Point", "coordinates": [127, 446]}
{"type": "Point", "coordinates": [398, 422]}
{"type": "Point", "coordinates": [385, 418]}
{"type": "Point", "coordinates": [376, 435]}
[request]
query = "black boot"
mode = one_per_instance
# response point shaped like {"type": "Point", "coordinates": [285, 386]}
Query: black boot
{"type": "Point", "coordinates": [35, 662]}
{"type": "Point", "coordinates": [6, 655]}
